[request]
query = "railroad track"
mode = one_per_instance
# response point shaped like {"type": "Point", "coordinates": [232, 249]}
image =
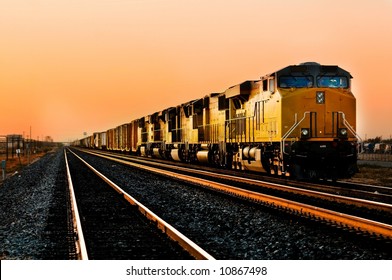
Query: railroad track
{"type": "Point", "coordinates": [353, 222]}
{"type": "Point", "coordinates": [111, 224]}
{"type": "Point", "coordinates": [341, 188]}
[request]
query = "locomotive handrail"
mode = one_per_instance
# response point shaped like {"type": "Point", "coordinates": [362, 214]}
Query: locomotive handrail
{"type": "Point", "coordinates": [352, 130]}
{"type": "Point", "coordinates": [286, 135]}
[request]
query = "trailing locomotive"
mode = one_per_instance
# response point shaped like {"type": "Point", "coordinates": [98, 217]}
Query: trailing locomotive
{"type": "Point", "coordinates": [299, 121]}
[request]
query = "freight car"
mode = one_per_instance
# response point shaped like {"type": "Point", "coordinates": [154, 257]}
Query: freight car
{"type": "Point", "coordinates": [298, 121]}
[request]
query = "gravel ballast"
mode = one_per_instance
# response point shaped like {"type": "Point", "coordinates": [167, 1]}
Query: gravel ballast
{"type": "Point", "coordinates": [27, 199]}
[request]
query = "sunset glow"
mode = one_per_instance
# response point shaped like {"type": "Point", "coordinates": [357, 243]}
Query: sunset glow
{"type": "Point", "coordinates": [74, 66]}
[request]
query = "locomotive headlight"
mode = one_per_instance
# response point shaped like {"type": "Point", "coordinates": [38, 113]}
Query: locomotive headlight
{"type": "Point", "coordinates": [305, 132]}
{"type": "Point", "coordinates": [342, 132]}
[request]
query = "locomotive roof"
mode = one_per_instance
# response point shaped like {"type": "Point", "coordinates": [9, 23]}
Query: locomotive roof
{"type": "Point", "coordinates": [311, 68]}
{"type": "Point", "coordinates": [243, 88]}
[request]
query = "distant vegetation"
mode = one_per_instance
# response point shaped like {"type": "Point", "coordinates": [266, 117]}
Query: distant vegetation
{"type": "Point", "coordinates": [379, 139]}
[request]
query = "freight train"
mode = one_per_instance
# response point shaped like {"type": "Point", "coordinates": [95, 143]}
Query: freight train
{"type": "Point", "coordinates": [299, 121]}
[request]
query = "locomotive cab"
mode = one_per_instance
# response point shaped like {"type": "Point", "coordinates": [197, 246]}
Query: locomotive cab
{"type": "Point", "coordinates": [318, 121]}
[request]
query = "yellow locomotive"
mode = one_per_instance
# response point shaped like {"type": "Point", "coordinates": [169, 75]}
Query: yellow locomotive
{"type": "Point", "coordinates": [298, 121]}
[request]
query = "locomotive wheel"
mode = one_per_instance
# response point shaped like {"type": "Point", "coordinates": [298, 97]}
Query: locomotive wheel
{"type": "Point", "coordinates": [267, 164]}
{"type": "Point", "coordinates": [276, 170]}
{"type": "Point", "coordinates": [216, 158]}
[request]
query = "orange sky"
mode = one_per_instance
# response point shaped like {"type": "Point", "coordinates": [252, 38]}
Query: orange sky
{"type": "Point", "coordinates": [74, 66]}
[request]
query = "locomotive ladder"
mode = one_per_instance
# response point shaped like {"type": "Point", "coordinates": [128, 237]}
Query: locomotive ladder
{"type": "Point", "coordinates": [287, 134]}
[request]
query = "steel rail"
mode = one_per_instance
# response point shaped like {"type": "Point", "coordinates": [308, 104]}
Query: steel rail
{"type": "Point", "coordinates": [358, 223]}
{"type": "Point", "coordinates": [374, 205]}
{"type": "Point", "coordinates": [80, 243]}
{"type": "Point", "coordinates": [191, 247]}
{"type": "Point", "coordinates": [378, 189]}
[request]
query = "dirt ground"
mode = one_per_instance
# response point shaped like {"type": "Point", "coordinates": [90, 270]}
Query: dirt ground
{"type": "Point", "coordinates": [373, 175]}
{"type": "Point", "coordinates": [15, 164]}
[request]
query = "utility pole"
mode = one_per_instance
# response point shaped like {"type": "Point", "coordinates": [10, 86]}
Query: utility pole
{"type": "Point", "coordinates": [29, 152]}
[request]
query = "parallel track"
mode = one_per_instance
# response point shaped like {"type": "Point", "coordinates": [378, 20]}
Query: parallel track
{"type": "Point", "coordinates": [121, 234]}
{"type": "Point", "coordinates": [367, 192]}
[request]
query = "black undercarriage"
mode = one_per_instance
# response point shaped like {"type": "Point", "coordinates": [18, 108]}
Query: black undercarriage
{"type": "Point", "coordinates": [323, 159]}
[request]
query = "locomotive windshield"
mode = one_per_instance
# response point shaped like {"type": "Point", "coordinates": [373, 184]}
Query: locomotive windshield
{"type": "Point", "coordinates": [309, 75]}
{"type": "Point", "coordinates": [295, 81]}
{"type": "Point", "coordinates": [332, 81]}
{"type": "Point", "coordinates": [307, 81]}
